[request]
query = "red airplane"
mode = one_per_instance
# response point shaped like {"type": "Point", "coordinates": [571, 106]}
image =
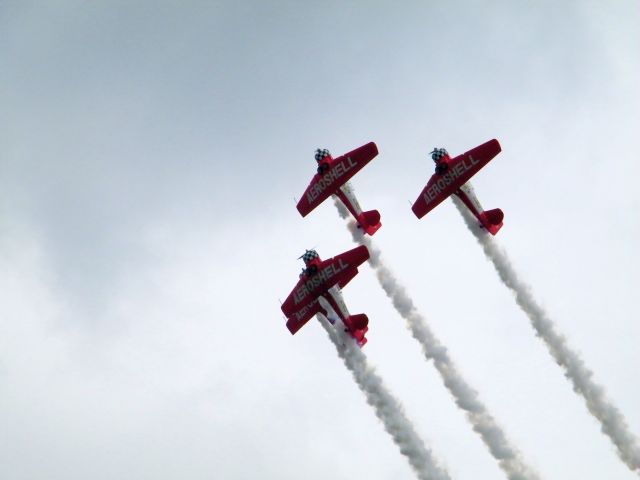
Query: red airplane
{"type": "Point", "coordinates": [452, 177]}
{"type": "Point", "coordinates": [332, 177]}
{"type": "Point", "coordinates": [324, 279]}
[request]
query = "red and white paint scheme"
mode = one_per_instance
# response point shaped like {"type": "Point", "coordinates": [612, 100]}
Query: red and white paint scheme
{"type": "Point", "coordinates": [331, 179]}
{"type": "Point", "coordinates": [452, 177]}
{"type": "Point", "coordinates": [320, 283]}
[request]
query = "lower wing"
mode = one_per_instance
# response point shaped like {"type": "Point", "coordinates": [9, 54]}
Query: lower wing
{"type": "Point", "coordinates": [299, 318]}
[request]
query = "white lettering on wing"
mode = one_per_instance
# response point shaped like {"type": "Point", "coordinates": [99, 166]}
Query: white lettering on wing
{"type": "Point", "coordinates": [318, 279]}
{"type": "Point", "coordinates": [331, 176]}
{"type": "Point", "coordinates": [446, 179]}
{"type": "Point", "coordinates": [300, 314]}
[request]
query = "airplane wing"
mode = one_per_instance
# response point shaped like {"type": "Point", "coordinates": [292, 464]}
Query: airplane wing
{"type": "Point", "coordinates": [341, 170]}
{"type": "Point", "coordinates": [300, 317]}
{"type": "Point", "coordinates": [338, 270]}
{"type": "Point", "coordinates": [349, 262]}
{"type": "Point", "coordinates": [460, 170]}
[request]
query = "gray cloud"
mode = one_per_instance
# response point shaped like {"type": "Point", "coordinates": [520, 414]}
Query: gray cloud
{"type": "Point", "coordinates": [149, 156]}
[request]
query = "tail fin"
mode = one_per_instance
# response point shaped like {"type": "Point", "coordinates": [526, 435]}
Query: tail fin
{"type": "Point", "coordinates": [358, 322]}
{"type": "Point", "coordinates": [492, 220]}
{"type": "Point", "coordinates": [358, 327]}
{"type": "Point", "coordinates": [369, 221]}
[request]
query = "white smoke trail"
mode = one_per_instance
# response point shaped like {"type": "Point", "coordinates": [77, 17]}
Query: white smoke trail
{"type": "Point", "coordinates": [387, 408]}
{"type": "Point", "coordinates": [613, 423]}
{"type": "Point", "coordinates": [508, 457]}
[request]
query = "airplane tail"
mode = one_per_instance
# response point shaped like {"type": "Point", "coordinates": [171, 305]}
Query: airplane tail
{"type": "Point", "coordinates": [358, 322]}
{"type": "Point", "coordinates": [358, 327]}
{"type": "Point", "coordinates": [369, 221]}
{"type": "Point", "coordinates": [492, 220]}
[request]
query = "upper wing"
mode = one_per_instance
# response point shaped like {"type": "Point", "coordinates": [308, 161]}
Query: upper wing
{"type": "Point", "coordinates": [460, 171]}
{"type": "Point", "coordinates": [347, 264]}
{"type": "Point", "coordinates": [340, 171]}
{"type": "Point", "coordinates": [338, 270]}
{"type": "Point", "coordinates": [299, 298]}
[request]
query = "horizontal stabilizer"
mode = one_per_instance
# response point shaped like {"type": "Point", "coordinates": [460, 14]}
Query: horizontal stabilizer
{"type": "Point", "coordinates": [369, 221]}
{"type": "Point", "coordinates": [359, 321]}
{"type": "Point", "coordinates": [358, 327]}
{"type": "Point", "coordinates": [492, 220]}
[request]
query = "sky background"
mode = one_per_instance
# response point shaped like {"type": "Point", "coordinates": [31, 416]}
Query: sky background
{"type": "Point", "coordinates": [150, 153]}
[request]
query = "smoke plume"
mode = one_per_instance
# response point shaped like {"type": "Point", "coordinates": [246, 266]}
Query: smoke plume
{"type": "Point", "coordinates": [612, 422]}
{"type": "Point", "coordinates": [386, 407]}
{"type": "Point", "coordinates": [466, 398]}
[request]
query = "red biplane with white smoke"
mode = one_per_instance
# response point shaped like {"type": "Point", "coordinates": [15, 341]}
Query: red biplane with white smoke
{"type": "Point", "coordinates": [452, 177]}
{"type": "Point", "coordinates": [332, 179]}
{"type": "Point", "coordinates": [320, 282]}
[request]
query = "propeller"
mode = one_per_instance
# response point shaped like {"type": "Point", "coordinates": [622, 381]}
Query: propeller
{"type": "Point", "coordinates": [438, 153]}
{"type": "Point", "coordinates": [305, 252]}
{"type": "Point", "coordinates": [310, 254]}
{"type": "Point", "coordinates": [321, 153]}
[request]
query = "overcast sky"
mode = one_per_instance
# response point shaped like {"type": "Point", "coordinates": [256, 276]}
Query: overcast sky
{"type": "Point", "coordinates": [150, 153]}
